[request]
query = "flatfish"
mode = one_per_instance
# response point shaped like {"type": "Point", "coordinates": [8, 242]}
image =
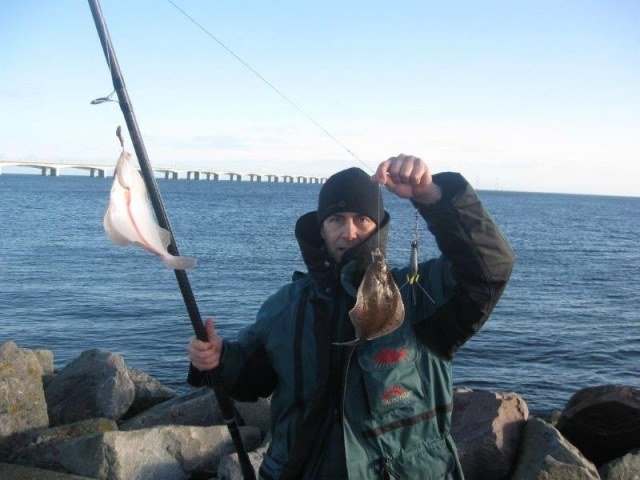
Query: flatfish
{"type": "Point", "coordinates": [379, 309]}
{"type": "Point", "coordinates": [129, 218]}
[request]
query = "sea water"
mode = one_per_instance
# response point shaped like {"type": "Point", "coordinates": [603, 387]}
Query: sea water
{"type": "Point", "coordinates": [568, 319]}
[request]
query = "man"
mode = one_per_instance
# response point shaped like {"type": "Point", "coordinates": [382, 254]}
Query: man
{"type": "Point", "coordinates": [381, 409]}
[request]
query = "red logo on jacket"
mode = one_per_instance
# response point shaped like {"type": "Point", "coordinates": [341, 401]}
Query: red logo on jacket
{"type": "Point", "coordinates": [389, 356]}
{"type": "Point", "coordinates": [395, 394]}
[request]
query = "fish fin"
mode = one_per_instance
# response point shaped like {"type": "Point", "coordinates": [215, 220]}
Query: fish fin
{"type": "Point", "coordinates": [165, 237]}
{"type": "Point", "coordinates": [397, 320]}
{"type": "Point", "coordinates": [352, 343]}
{"type": "Point", "coordinates": [358, 307]}
{"type": "Point", "coordinates": [386, 332]}
{"type": "Point", "coordinates": [112, 231]}
{"type": "Point", "coordinates": [179, 263]}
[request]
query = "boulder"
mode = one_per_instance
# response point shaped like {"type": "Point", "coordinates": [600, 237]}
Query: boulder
{"type": "Point", "coordinates": [95, 385]}
{"type": "Point", "coordinates": [623, 468]}
{"type": "Point", "coordinates": [487, 427]}
{"type": "Point", "coordinates": [46, 380]}
{"type": "Point", "coordinates": [160, 453]}
{"type": "Point", "coordinates": [198, 407]}
{"type": "Point", "coordinates": [148, 392]}
{"type": "Point", "coordinates": [23, 408]}
{"type": "Point", "coordinates": [550, 416]}
{"type": "Point", "coordinates": [603, 422]}
{"type": "Point", "coordinates": [42, 449]}
{"type": "Point", "coordinates": [229, 468]}
{"type": "Point", "coordinates": [45, 357]}
{"type": "Point", "coordinates": [20, 472]}
{"type": "Point", "coordinates": [255, 413]}
{"type": "Point", "coordinates": [545, 454]}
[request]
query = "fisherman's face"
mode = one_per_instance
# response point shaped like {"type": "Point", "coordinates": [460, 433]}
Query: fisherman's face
{"type": "Point", "coordinates": [343, 231]}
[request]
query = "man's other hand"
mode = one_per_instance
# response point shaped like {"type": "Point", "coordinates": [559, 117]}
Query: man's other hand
{"type": "Point", "coordinates": [206, 355]}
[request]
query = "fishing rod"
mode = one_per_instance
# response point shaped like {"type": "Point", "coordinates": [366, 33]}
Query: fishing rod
{"type": "Point", "coordinates": [213, 376]}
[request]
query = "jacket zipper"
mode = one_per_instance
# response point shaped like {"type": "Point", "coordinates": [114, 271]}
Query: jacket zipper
{"type": "Point", "coordinates": [344, 378]}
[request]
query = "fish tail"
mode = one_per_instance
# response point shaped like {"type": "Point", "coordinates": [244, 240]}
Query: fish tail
{"type": "Point", "coordinates": [178, 263]}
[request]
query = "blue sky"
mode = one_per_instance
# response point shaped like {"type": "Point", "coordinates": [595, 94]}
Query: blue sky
{"type": "Point", "coordinates": [522, 95]}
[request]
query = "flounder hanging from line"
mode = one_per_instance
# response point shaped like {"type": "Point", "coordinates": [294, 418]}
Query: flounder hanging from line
{"type": "Point", "coordinates": [378, 309]}
{"type": "Point", "coordinates": [129, 218]}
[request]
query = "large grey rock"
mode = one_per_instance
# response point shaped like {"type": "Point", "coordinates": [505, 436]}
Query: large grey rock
{"type": "Point", "coordinates": [603, 422]}
{"type": "Point", "coordinates": [42, 449]}
{"type": "Point", "coordinates": [45, 357]}
{"type": "Point", "coordinates": [161, 453]}
{"type": "Point", "coordinates": [23, 409]}
{"type": "Point", "coordinates": [623, 468]}
{"type": "Point", "coordinates": [229, 468]}
{"type": "Point", "coordinates": [198, 407]}
{"type": "Point", "coordinates": [46, 380]}
{"type": "Point", "coordinates": [255, 413]}
{"type": "Point", "coordinates": [545, 455]}
{"type": "Point", "coordinates": [487, 427]}
{"type": "Point", "coordinates": [148, 392]}
{"type": "Point", "coordinates": [20, 472]}
{"type": "Point", "coordinates": [95, 385]}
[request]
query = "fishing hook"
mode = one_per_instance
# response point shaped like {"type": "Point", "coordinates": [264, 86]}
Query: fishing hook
{"type": "Point", "coordinates": [119, 135]}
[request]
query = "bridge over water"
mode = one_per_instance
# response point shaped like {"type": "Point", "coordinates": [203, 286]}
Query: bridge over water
{"type": "Point", "coordinates": [55, 169]}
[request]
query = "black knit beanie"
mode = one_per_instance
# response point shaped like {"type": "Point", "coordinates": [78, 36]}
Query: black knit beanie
{"type": "Point", "coordinates": [350, 190]}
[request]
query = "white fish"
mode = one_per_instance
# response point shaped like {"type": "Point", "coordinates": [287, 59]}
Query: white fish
{"type": "Point", "coordinates": [129, 218]}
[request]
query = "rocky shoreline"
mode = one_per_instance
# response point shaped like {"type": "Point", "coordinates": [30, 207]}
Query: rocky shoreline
{"type": "Point", "coordinates": [99, 418]}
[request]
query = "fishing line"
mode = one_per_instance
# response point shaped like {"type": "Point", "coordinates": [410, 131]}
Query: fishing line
{"type": "Point", "coordinates": [378, 212]}
{"type": "Point", "coordinates": [270, 85]}
{"type": "Point", "coordinates": [108, 98]}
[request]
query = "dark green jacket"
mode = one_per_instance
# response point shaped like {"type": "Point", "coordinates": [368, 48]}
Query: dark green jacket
{"type": "Point", "coordinates": [391, 398]}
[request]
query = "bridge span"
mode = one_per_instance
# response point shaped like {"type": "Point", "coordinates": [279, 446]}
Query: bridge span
{"type": "Point", "coordinates": [53, 169]}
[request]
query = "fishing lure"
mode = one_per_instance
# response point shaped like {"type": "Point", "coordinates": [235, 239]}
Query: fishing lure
{"type": "Point", "coordinates": [413, 276]}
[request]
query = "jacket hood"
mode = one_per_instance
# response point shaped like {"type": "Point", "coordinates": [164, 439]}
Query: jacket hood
{"type": "Point", "coordinates": [319, 263]}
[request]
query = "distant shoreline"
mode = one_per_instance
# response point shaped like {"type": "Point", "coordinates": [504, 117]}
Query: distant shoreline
{"type": "Point", "coordinates": [480, 190]}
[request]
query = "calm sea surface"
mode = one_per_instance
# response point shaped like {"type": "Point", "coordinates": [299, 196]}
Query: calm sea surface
{"type": "Point", "coordinates": [569, 318]}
